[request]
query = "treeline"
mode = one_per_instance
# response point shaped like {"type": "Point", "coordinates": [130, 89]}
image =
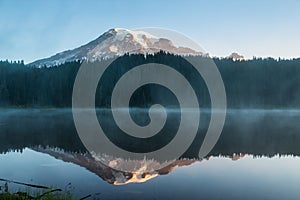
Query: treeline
{"type": "Point", "coordinates": [261, 83]}
{"type": "Point", "coordinates": [256, 83]}
{"type": "Point", "coordinates": [27, 86]}
{"type": "Point", "coordinates": [265, 134]}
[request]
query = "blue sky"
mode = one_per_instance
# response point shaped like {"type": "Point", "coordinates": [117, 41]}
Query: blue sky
{"type": "Point", "coordinates": [35, 29]}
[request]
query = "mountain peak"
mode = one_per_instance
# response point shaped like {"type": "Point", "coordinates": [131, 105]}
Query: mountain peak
{"type": "Point", "coordinates": [117, 42]}
{"type": "Point", "coordinates": [235, 56]}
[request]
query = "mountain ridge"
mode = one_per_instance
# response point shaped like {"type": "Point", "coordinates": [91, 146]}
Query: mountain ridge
{"type": "Point", "coordinates": [117, 42]}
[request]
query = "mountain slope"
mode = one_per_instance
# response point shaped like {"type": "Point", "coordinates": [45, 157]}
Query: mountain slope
{"type": "Point", "coordinates": [117, 42]}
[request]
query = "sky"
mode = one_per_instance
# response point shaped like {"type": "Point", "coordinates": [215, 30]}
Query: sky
{"type": "Point", "coordinates": [34, 29]}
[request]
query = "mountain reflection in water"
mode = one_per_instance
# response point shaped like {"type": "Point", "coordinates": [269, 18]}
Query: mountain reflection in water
{"type": "Point", "coordinates": [110, 175]}
{"type": "Point", "coordinates": [38, 145]}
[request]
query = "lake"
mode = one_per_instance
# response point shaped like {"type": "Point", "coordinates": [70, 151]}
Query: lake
{"type": "Point", "coordinates": [256, 157]}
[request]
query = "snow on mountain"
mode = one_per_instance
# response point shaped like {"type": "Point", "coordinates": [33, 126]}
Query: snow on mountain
{"type": "Point", "coordinates": [117, 42]}
{"type": "Point", "coordinates": [236, 57]}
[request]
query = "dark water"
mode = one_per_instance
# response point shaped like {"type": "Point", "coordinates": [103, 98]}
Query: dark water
{"type": "Point", "coordinates": [256, 157]}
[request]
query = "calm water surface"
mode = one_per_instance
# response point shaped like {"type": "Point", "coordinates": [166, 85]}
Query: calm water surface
{"type": "Point", "coordinates": [257, 157]}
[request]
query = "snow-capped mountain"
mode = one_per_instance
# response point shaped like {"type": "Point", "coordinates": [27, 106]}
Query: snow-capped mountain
{"type": "Point", "coordinates": [117, 42]}
{"type": "Point", "coordinates": [236, 57]}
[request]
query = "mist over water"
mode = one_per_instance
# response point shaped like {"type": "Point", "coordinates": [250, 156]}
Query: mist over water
{"type": "Point", "coordinates": [36, 144]}
{"type": "Point", "coordinates": [255, 131]}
